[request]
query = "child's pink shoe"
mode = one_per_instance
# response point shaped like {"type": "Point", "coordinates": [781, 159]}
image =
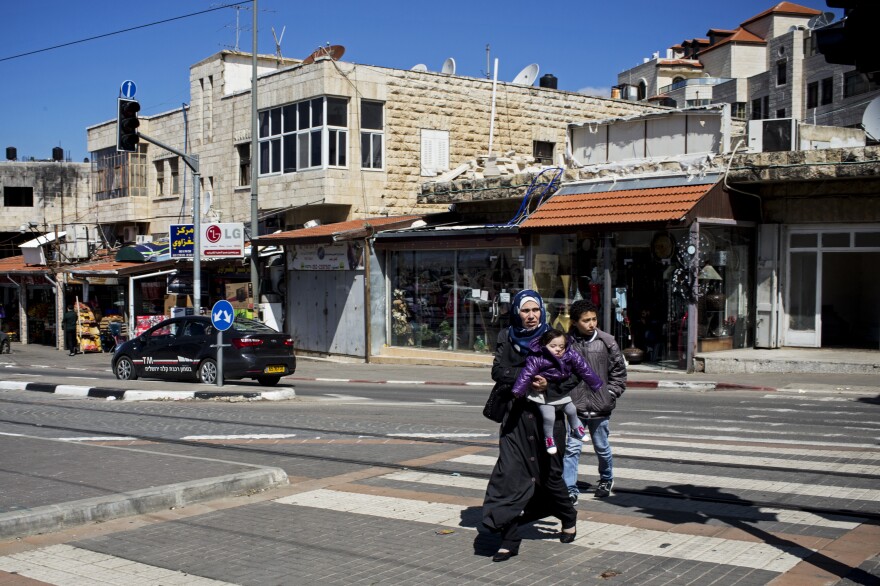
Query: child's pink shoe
{"type": "Point", "coordinates": [579, 432]}
{"type": "Point", "coordinates": [551, 445]}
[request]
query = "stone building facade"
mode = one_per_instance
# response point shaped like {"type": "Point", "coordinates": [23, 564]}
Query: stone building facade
{"type": "Point", "coordinates": [767, 67]}
{"type": "Point", "coordinates": [42, 195]}
{"type": "Point", "coordinates": [420, 125]}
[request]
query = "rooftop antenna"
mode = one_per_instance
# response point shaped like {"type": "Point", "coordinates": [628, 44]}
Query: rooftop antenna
{"type": "Point", "coordinates": [278, 43]}
{"type": "Point", "coordinates": [419, 67]}
{"type": "Point", "coordinates": [448, 66]}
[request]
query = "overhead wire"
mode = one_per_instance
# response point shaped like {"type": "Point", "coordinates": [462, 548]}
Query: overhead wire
{"type": "Point", "coordinates": [126, 30]}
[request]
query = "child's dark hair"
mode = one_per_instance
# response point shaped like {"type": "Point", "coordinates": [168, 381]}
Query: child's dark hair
{"type": "Point", "coordinates": [580, 307]}
{"type": "Point", "coordinates": [550, 334]}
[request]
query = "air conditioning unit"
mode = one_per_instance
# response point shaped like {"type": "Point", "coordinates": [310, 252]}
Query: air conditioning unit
{"type": "Point", "coordinates": [129, 233]}
{"type": "Point", "coordinates": [76, 242]}
{"type": "Point", "coordinates": [773, 135]}
{"type": "Point", "coordinates": [143, 238]}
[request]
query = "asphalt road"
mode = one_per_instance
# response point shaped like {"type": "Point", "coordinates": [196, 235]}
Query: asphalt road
{"type": "Point", "coordinates": [386, 480]}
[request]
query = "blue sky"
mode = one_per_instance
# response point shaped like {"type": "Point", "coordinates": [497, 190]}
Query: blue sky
{"type": "Point", "coordinates": [49, 98]}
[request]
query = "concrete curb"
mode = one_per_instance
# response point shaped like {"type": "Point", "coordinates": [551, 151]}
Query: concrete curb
{"type": "Point", "coordinates": [139, 395]}
{"type": "Point", "coordinates": [137, 502]}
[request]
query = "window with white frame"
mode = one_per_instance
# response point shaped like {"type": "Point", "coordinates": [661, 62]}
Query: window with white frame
{"type": "Point", "coordinates": [435, 152]}
{"type": "Point", "coordinates": [292, 137]}
{"type": "Point", "coordinates": [372, 134]}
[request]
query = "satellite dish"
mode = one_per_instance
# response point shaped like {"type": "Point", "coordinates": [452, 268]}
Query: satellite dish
{"type": "Point", "coordinates": [448, 67]}
{"type": "Point", "coordinates": [528, 75]}
{"type": "Point", "coordinates": [419, 67]}
{"type": "Point", "coordinates": [820, 20]}
{"type": "Point", "coordinates": [334, 52]}
{"type": "Point", "coordinates": [871, 119]}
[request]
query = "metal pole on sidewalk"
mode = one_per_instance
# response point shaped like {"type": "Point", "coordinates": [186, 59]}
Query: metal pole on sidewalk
{"type": "Point", "coordinates": [219, 358]}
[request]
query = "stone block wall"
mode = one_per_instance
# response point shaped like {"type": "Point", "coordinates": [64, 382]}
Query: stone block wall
{"type": "Point", "coordinates": [61, 194]}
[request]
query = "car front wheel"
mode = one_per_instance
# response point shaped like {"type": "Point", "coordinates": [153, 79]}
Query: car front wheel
{"type": "Point", "coordinates": [208, 372]}
{"type": "Point", "coordinates": [5, 348]}
{"type": "Point", "coordinates": [124, 369]}
{"type": "Point", "coordinates": [268, 381]}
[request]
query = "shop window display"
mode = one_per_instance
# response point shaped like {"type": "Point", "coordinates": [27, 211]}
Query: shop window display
{"type": "Point", "coordinates": [452, 300]}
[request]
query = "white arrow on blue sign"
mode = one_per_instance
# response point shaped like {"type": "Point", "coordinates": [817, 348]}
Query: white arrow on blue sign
{"type": "Point", "coordinates": [222, 315]}
{"type": "Point", "coordinates": [128, 89]}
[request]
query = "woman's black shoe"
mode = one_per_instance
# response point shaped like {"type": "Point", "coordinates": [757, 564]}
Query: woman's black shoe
{"type": "Point", "coordinates": [503, 556]}
{"type": "Point", "coordinates": [567, 537]}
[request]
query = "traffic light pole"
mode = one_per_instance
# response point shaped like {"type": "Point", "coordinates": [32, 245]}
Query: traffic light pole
{"type": "Point", "coordinates": [192, 161]}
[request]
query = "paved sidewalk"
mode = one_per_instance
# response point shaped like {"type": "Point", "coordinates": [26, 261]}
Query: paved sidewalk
{"type": "Point", "coordinates": [106, 482]}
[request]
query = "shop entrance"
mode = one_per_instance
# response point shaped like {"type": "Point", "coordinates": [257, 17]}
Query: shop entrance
{"type": "Point", "coordinates": [832, 288]}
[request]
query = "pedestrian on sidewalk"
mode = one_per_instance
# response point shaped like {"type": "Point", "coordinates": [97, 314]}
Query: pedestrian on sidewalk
{"type": "Point", "coordinates": [68, 323]}
{"type": "Point", "coordinates": [526, 483]}
{"type": "Point", "coordinates": [602, 353]}
{"type": "Point", "coordinates": [553, 358]}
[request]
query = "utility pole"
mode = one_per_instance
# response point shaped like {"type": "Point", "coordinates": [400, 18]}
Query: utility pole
{"type": "Point", "coordinates": [255, 173]}
{"type": "Point", "coordinates": [191, 161]}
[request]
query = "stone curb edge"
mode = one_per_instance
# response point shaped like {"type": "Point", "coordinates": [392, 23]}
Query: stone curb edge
{"type": "Point", "coordinates": [138, 395]}
{"type": "Point", "coordinates": [53, 518]}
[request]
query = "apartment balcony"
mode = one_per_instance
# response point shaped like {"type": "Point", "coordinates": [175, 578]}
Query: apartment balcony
{"type": "Point", "coordinates": [693, 81]}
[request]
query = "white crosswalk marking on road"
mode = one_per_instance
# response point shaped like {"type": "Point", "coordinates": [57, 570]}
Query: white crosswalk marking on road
{"type": "Point", "coordinates": [753, 484]}
{"type": "Point", "coordinates": [871, 453]}
{"type": "Point", "coordinates": [64, 565]}
{"type": "Point", "coordinates": [441, 435]}
{"type": "Point", "coordinates": [710, 458]}
{"type": "Point", "coordinates": [779, 515]}
{"type": "Point", "coordinates": [240, 436]}
{"type": "Point", "coordinates": [595, 535]}
{"type": "Point", "coordinates": [761, 430]}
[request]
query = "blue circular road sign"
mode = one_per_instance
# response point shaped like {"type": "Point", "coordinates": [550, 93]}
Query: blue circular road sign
{"type": "Point", "coordinates": [222, 315]}
{"type": "Point", "coordinates": [128, 89]}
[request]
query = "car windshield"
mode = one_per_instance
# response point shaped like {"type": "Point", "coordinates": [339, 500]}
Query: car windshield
{"type": "Point", "coordinates": [250, 326]}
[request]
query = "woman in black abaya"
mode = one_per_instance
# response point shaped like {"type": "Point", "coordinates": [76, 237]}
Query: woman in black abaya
{"type": "Point", "coordinates": [526, 483]}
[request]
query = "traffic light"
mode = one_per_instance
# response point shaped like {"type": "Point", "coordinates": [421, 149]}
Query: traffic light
{"type": "Point", "coordinates": [126, 125]}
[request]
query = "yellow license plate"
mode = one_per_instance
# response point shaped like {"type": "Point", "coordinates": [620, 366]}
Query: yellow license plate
{"type": "Point", "coordinates": [274, 370]}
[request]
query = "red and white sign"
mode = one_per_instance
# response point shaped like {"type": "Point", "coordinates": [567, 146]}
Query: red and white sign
{"type": "Point", "coordinates": [223, 240]}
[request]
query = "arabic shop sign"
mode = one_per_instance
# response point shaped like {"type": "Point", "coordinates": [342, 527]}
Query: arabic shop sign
{"type": "Point", "coordinates": [217, 240]}
{"type": "Point", "coordinates": [339, 256]}
{"type": "Point", "coordinates": [182, 243]}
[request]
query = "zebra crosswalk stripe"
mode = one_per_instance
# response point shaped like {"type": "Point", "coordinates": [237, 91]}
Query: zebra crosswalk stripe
{"type": "Point", "coordinates": [618, 538]}
{"type": "Point", "coordinates": [714, 481]}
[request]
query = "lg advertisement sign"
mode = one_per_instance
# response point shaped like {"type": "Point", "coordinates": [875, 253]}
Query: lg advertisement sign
{"type": "Point", "coordinates": [218, 240]}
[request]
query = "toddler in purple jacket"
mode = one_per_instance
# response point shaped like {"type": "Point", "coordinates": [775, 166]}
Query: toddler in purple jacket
{"type": "Point", "coordinates": [553, 358]}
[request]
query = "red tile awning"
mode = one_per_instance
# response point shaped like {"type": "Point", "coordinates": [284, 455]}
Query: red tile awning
{"type": "Point", "coordinates": [627, 206]}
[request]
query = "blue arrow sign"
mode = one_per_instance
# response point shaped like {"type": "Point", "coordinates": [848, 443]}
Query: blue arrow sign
{"type": "Point", "coordinates": [128, 89]}
{"type": "Point", "coordinates": [222, 315]}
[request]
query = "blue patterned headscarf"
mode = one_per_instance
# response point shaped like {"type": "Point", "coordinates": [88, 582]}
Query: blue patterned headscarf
{"type": "Point", "coordinates": [520, 336]}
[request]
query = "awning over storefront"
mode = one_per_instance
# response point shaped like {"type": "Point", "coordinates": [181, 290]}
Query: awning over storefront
{"type": "Point", "coordinates": [663, 200]}
{"type": "Point", "coordinates": [339, 231]}
{"type": "Point", "coordinates": [14, 272]}
{"type": "Point", "coordinates": [114, 268]}
{"type": "Point", "coordinates": [150, 251]}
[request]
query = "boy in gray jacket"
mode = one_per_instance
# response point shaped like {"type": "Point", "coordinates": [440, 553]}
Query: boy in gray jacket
{"type": "Point", "coordinates": [594, 408]}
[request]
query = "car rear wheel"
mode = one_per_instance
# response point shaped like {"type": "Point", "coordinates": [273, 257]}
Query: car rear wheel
{"type": "Point", "coordinates": [208, 372]}
{"type": "Point", "coordinates": [268, 381]}
{"type": "Point", "coordinates": [124, 369]}
{"type": "Point", "coordinates": [5, 348]}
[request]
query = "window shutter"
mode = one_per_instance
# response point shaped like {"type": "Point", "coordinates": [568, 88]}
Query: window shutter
{"type": "Point", "coordinates": [435, 152]}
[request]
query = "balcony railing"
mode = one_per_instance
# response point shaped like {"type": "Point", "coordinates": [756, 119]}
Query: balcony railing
{"type": "Point", "coordinates": [693, 81]}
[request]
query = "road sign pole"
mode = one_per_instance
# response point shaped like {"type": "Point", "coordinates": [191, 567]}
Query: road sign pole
{"type": "Point", "coordinates": [222, 316]}
{"type": "Point", "coordinates": [219, 358]}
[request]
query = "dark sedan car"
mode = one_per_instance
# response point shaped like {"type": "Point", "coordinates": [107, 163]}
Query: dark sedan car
{"type": "Point", "coordinates": [184, 347]}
